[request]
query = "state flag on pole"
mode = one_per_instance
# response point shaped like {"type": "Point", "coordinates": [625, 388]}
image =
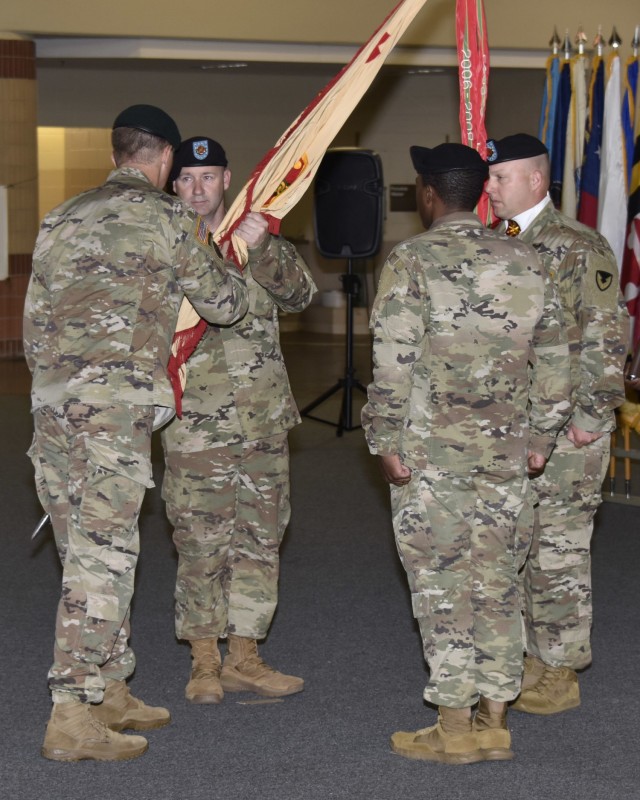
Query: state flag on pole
{"type": "Point", "coordinates": [574, 149]}
{"type": "Point", "coordinates": [590, 178]}
{"type": "Point", "coordinates": [549, 103]}
{"type": "Point", "coordinates": [630, 274]}
{"type": "Point", "coordinates": [629, 114]}
{"type": "Point", "coordinates": [560, 133]}
{"type": "Point", "coordinates": [612, 205]}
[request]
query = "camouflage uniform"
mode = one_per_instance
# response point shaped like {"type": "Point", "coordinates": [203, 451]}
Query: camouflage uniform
{"type": "Point", "coordinates": [110, 270]}
{"type": "Point", "coordinates": [557, 576]}
{"type": "Point", "coordinates": [226, 480]}
{"type": "Point", "coordinates": [459, 314]}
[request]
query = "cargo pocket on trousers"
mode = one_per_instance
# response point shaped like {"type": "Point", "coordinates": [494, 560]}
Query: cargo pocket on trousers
{"type": "Point", "coordinates": [115, 485]}
{"type": "Point", "coordinates": [128, 464]}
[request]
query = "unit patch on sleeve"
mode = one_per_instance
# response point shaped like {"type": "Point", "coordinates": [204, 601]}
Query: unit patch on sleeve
{"type": "Point", "coordinates": [603, 280]}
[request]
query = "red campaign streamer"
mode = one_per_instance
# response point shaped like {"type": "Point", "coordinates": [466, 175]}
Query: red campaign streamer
{"type": "Point", "coordinates": [473, 74]}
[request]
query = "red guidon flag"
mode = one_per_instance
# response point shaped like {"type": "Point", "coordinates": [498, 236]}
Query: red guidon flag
{"type": "Point", "coordinates": [286, 171]}
{"type": "Point", "coordinates": [473, 74]}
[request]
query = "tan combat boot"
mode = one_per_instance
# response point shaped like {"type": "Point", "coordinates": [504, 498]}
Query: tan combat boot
{"type": "Point", "coordinates": [74, 734]}
{"type": "Point", "coordinates": [533, 669]}
{"type": "Point", "coordinates": [120, 709]}
{"type": "Point", "coordinates": [244, 671]}
{"type": "Point", "coordinates": [451, 740]}
{"type": "Point", "coordinates": [490, 726]}
{"type": "Point", "coordinates": [204, 685]}
{"type": "Point", "coordinates": [556, 691]}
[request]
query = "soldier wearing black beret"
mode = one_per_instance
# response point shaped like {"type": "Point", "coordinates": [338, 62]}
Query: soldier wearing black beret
{"type": "Point", "coordinates": [557, 573]}
{"type": "Point", "coordinates": [445, 409]}
{"type": "Point", "coordinates": [200, 176]}
{"type": "Point", "coordinates": [237, 411]}
{"type": "Point", "coordinates": [110, 270]}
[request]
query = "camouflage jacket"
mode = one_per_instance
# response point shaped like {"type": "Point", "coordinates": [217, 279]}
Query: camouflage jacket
{"type": "Point", "coordinates": [237, 386]}
{"type": "Point", "coordinates": [585, 273]}
{"type": "Point", "coordinates": [110, 269]}
{"type": "Point", "coordinates": [463, 320]}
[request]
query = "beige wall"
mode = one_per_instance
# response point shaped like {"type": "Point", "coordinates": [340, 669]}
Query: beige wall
{"type": "Point", "coordinates": [70, 160]}
{"type": "Point", "coordinates": [511, 23]}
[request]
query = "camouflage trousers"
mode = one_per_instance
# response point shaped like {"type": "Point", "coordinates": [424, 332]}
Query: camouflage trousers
{"type": "Point", "coordinates": [455, 535]}
{"type": "Point", "coordinates": [556, 580]}
{"type": "Point", "coordinates": [92, 467]}
{"type": "Point", "coordinates": [230, 508]}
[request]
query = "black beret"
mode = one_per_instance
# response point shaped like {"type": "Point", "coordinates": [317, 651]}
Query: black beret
{"type": "Point", "coordinates": [511, 148]}
{"type": "Point", "coordinates": [199, 151]}
{"type": "Point", "coordinates": [149, 119]}
{"type": "Point", "coordinates": [446, 158]}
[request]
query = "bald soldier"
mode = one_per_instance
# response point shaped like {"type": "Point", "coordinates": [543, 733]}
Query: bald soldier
{"type": "Point", "coordinates": [226, 481]}
{"type": "Point", "coordinates": [565, 497]}
{"type": "Point", "coordinates": [110, 270]}
{"type": "Point", "coordinates": [467, 336]}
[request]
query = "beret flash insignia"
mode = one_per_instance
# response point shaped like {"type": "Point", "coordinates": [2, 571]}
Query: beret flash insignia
{"type": "Point", "coordinates": [200, 149]}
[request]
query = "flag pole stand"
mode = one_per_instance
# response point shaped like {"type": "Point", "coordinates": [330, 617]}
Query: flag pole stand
{"type": "Point", "coordinates": [346, 384]}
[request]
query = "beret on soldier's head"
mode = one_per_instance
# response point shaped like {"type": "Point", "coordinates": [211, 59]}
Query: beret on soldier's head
{"type": "Point", "coordinates": [149, 119]}
{"type": "Point", "coordinates": [447, 158]}
{"type": "Point", "coordinates": [199, 151]}
{"type": "Point", "coordinates": [512, 148]}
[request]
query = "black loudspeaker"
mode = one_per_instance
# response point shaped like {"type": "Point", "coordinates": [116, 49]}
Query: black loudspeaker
{"type": "Point", "coordinates": [349, 198]}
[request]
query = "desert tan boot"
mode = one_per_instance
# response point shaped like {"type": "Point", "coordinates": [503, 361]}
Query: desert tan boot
{"type": "Point", "coordinates": [120, 710]}
{"type": "Point", "coordinates": [556, 691]}
{"type": "Point", "coordinates": [74, 734]}
{"type": "Point", "coordinates": [244, 671]}
{"type": "Point", "coordinates": [451, 740]}
{"type": "Point", "coordinates": [533, 669]}
{"type": "Point", "coordinates": [204, 685]}
{"type": "Point", "coordinates": [492, 734]}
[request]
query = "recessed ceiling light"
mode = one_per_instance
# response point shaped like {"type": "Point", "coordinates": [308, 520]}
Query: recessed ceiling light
{"type": "Point", "coordinates": [225, 65]}
{"type": "Point", "coordinates": [425, 71]}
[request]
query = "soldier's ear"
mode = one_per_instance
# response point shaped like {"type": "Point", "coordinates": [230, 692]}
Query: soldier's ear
{"type": "Point", "coordinates": [429, 194]}
{"type": "Point", "coordinates": [535, 179]}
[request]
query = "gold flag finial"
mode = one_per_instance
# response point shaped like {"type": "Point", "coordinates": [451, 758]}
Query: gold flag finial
{"type": "Point", "coordinates": [598, 41]}
{"type": "Point", "coordinates": [566, 45]}
{"type": "Point", "coordinates": [555, 42]}
{"type": "Point", "coordinates": [581, 40]}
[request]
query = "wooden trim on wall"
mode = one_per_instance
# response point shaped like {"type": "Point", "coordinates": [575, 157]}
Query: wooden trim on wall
{"type": "Point", "coordinates": [17, 59]}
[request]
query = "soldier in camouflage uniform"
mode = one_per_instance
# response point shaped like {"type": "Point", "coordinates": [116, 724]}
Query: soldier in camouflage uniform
{"type": "Point", "coordinates": [467, 335]}
{"type": "Point", "coordinates": [563, 500]}
{"type": "Point", "coordinates": [226, 480]}
{"type": "Point", "coordinates": [110, 269]}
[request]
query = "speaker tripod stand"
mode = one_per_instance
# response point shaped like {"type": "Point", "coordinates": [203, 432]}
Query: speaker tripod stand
{"type": "Point", "coordinates": [351, 287]}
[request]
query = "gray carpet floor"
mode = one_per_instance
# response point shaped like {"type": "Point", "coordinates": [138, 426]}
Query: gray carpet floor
{"type": "Point", "coordinates": [344, 623]}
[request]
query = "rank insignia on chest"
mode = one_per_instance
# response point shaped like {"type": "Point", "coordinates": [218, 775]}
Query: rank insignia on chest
{"type": "Point", "coordinates": [202, 232]}
{"type": "Point", "coordinates": [603, 280]}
